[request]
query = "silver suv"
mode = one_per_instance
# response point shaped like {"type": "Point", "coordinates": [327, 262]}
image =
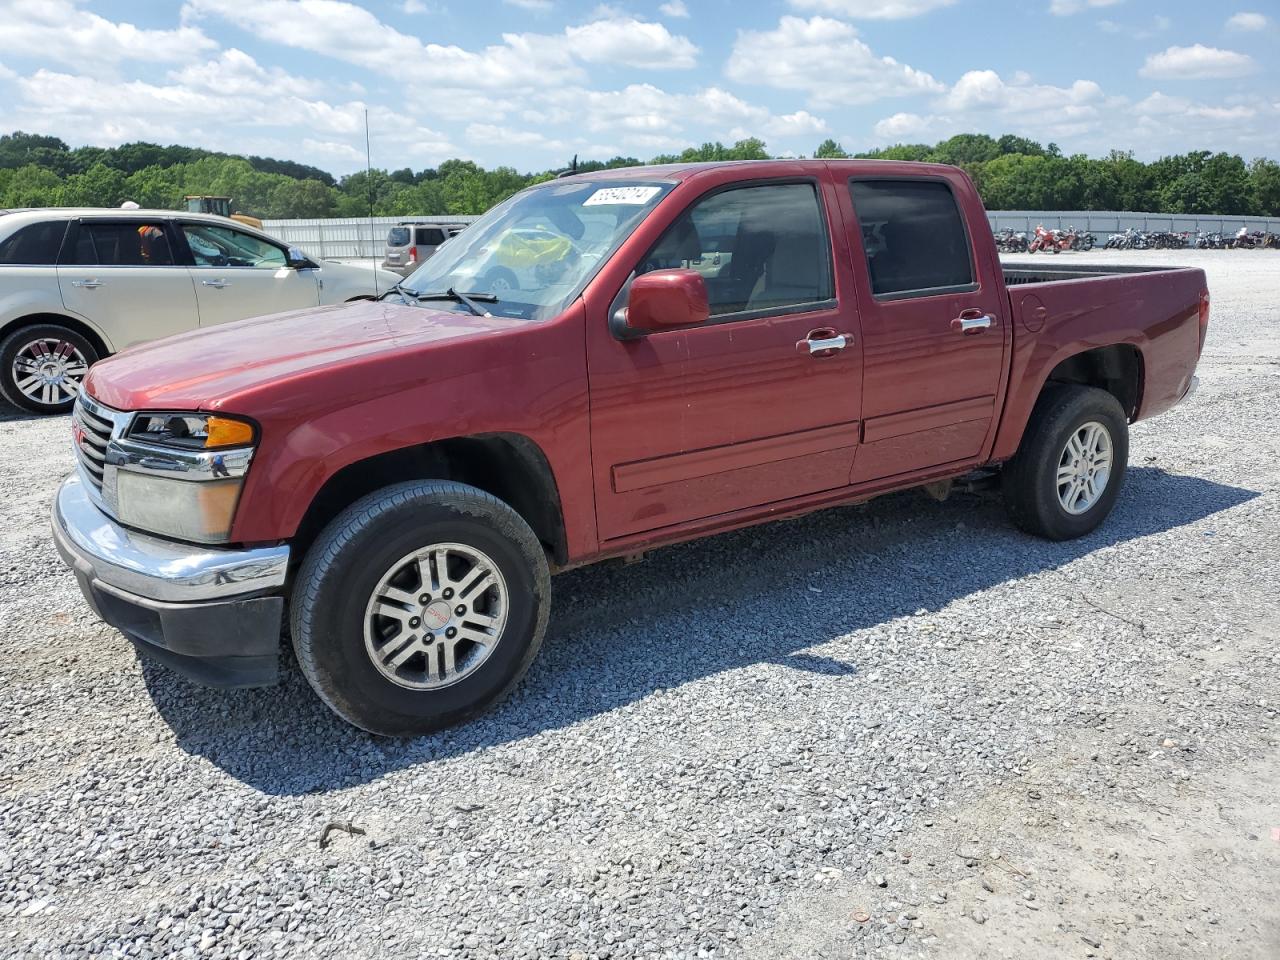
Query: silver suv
{"type": "Point", "coordinates": [410, 242]}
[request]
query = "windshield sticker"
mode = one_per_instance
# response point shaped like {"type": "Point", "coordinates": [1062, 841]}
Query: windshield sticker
{"type": "Point", "coordinates": [631, 195]}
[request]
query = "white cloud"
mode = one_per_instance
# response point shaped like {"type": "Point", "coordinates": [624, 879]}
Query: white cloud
{"type": "Point", "coordinates": [187, 110]}
{"type": "Point", "coordinates": [538, 6]}
{"type": "Point", "coordinates": [825, 59]}
{"type": "Point", "coordinates": [346, 32]}
{"type": "Point", "coordinates": [487, 133]}
{"type": "Point", "coordinates": [676, 8]}
{"type": "Point", "coordinates": [1197, 62]}
{"type": "Point", "coordinates": [1160, 105]}
{"type": "Point", "coordinates": [63, 32]}
{"type": "Point", "coordinates": [463, 82]}
{"type": "Point", "coordinates": [1247, 22]}
{"type": "Point", "coordinates": [645, 117]}
{"type": "Point", "coordinates": [986, 90]}
{"type": "Point", "coordinates": [235, 73]}
{"type": "Point", "coordinates": [903, 127]}
{"type": "Point", "coordinates": [1066, 8]}
{"type": "Point", "coordinates": [983, 101]}
{"type": "Point", "coordinates": [631, 42]}
{"type": "Point", "coordinates": [872, 9]}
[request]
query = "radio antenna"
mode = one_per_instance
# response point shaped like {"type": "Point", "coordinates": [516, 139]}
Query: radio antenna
{"type": "Point", "coordinates": [368, 182]}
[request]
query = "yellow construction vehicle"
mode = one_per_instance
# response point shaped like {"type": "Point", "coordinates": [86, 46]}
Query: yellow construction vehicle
{"type": "Point", "coordinates": [221, 206]}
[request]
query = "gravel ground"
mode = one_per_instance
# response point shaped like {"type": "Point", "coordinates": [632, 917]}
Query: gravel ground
{"type": "Point", "coordinates": [896, 730]}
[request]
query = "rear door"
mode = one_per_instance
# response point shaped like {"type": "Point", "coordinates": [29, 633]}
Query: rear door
{"type": "Point", "coordinates": [693, 422]}
{"type": "Point", "coordinates": [239, 275]}
{"type": "Point", "coordinates": [427, 241]}
{"type": "Point", "coordinates": [125, 276]}
{"type": "Point", "coordinates": [934, 325]}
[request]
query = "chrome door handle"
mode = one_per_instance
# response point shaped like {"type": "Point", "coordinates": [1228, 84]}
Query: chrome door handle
{"type": "Point", "coordinates": [86, 283]}
{"type": "Point", "coordinates": [823, 342]}
{"type": "Point", "coordinates": [968, 325]}
{"type": "Point", "coordinates": [838, 342]}
{"type": "Point", "coordinates": [216, 283]}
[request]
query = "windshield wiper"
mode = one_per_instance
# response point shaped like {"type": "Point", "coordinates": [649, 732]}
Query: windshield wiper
{"type": "Point", "coordinates": [469, 300]}
{"type": "Point", "coordinates": [397, 288]}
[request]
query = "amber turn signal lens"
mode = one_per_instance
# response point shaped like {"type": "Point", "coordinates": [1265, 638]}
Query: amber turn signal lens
{"type": "Point", "coordinates": [221, 432]}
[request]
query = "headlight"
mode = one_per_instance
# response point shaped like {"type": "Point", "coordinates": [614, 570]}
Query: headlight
{"type": "Point", "coordinates": [191, 431]}
{"type": "Point", "coordinates": [179, 474]}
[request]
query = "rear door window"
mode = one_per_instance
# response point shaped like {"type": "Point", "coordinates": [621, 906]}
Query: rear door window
{"type": "Point", "coordinates": [913, 236]}
{"type": "Point", "coordinates": [36, 244]}
{"type": "Point", "coordinates": [430, 236]}
{"type": "Point", "coordinates": [131, 243]}
{"type": "Point", "coordinates": [398, 237]}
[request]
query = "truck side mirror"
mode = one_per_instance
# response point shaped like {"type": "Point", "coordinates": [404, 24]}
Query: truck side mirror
{"type": "Point", "coordinates": [667, 298]}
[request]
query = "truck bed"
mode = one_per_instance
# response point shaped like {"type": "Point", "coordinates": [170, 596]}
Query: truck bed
{"type": "Point", "coordinates": [1017, 274]}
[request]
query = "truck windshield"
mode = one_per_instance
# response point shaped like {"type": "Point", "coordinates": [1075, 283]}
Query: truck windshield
{"type": "Point", "coordinates": [536, 251]}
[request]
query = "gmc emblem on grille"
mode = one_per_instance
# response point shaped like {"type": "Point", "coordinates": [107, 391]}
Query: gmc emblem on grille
{"type": "Point", "coordinates": [77, 434]}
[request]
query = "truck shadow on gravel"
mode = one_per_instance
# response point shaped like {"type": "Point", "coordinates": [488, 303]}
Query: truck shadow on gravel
{"type": "Point", "coordinates": [620, 632]}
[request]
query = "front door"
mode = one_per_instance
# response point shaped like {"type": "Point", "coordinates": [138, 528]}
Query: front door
{"type": "Point", "coordinates": [757, 405]}
{"type": "Point", "coordinates": [124, 276]}
{"type": "Point", "coordinates": [238, 275]}
{"type": "Point", "coordinates": [934, 334]}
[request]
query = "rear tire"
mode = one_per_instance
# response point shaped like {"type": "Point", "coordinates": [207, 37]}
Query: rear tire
{"type": "Point", "coordinates": [1067, 473]}
{"type": "Point", "coordinates": [43, 366]}
{"type": "Point", "coordinates": [420, 606]}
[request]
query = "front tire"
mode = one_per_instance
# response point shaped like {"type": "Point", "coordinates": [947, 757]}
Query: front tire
{"type": "Point", "coordinates": [43, 366]}
{"type": "Point", "coordinates": [1067, 473]}
{"type": "Point", "coordinates": [420, 606]}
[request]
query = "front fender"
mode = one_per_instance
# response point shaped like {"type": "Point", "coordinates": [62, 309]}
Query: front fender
{"type": "Point", "coordinates": [530, 383]}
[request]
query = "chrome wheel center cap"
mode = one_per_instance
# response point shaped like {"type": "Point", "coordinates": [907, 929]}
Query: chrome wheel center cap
{"type": "Point", "coordinates": [436, 616]}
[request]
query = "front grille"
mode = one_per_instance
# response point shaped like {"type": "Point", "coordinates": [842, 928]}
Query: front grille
{"type": "Point", "coordinates": [92, 436]}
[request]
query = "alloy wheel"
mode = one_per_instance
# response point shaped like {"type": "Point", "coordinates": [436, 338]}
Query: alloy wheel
{"type": "Point", "coordinates": [49, 370]}
{"type": "Point", "coordinates": [1084, 468]}
{"type": "Point", "coordinates": [436, 616]}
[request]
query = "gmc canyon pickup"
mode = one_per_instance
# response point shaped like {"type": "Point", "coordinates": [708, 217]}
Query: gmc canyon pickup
{"type": "Point", "coordinates": [671, 352]}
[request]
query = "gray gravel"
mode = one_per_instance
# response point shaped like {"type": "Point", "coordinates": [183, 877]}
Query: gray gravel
{"type": "Point", "coordinates": [709, 741]}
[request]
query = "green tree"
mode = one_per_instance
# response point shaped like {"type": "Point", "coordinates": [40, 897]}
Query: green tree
{"type": "Point", "coordinates": [99, 186]}
{"type": "Point", "coordinates": [158, 188]}
{"type": "Point", "coordinates": [966, 149]}
{"type": "Point", "coordinates": [30, 186]}
{"type": "Point", "coordinates": [830, 150]}
{"type": "Point", "coordinates": [20, 149]}
{"type": "Point", "coordinates": [1264, 187]}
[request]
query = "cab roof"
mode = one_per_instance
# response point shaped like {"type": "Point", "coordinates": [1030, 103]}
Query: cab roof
{"type": "Point", "coordinates": [762, 168]}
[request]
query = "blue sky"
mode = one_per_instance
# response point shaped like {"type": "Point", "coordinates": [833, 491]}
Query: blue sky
{"type": "Point", "coordinates": [528, 83]}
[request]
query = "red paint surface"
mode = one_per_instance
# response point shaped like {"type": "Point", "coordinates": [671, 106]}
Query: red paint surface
{"type": "Point", "coordinates": [684, 431]}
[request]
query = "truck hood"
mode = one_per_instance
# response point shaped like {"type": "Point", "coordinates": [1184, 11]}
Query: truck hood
{"type": "Point", "coordinates": [211, 368]}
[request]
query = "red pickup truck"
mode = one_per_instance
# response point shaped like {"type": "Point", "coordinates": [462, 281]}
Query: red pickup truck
{"type": "Point", "coordinates": [602, 364]}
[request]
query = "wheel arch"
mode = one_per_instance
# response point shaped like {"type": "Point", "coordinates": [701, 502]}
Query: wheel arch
{"type": "Point", "coordinates": [1117, 368]}
{"type": "Point", "coordinates": [72, 323]}
{"type": "Point", "coordinates": [510, 466]}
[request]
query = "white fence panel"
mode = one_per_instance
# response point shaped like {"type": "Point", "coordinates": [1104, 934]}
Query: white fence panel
{"type": "Point", "coordinates": [1103, 222]}
{"type": "Point", "coordinates": [353, 237]}
{"type": "Point", "coordinates": [347, 237]}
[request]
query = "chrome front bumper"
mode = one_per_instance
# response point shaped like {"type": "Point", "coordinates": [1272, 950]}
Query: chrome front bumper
{"type": "Point", "coordinates": [212, 614]}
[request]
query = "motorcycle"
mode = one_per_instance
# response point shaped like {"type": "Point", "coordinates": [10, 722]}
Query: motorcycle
{"type": "Point", "coordinates": [1082, 242]}
{"type": "Point", "coordinates": [1052, 241]}
{"type": "Point", "coordinates": [1009, 242]}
